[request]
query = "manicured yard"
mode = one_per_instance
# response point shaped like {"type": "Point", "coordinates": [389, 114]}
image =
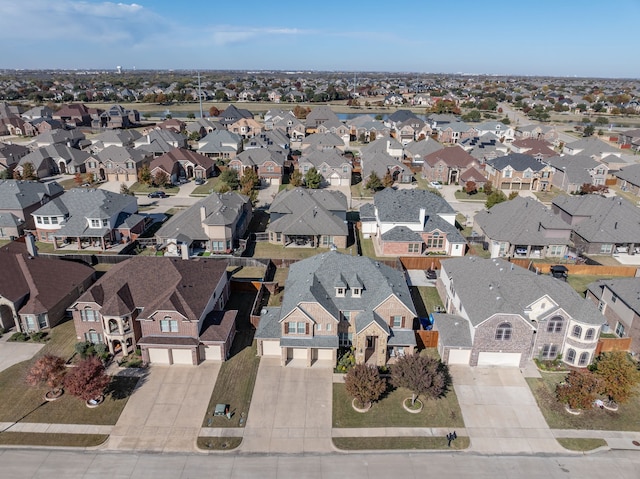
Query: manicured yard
{"type": "Point", "coordinates": [626, 418]}
{"type": "Point", "coordinates": [388, 412]}
{"type": "Point", "coordinates": [428, 298]}
{"type": "Point", "coordinates": [142, 189]}
{"type": "Point", "coordinates": [264, 249]}
{"type": "Point", "coordinates": [581, 443]}
{"type": "Point", "coordinates": [207, 188]}
{"type": "Point", "coordinates": [24, 403]}
{"type": "Point", "coordinates": [388, 442]}
{"type": "Point", "coordinates": [58, 440]}
{"type": "Point", "coordinates": [580, 282]}
{"type": "Point", "coordinates": [479, 197]}
{"type": "Point", "coordinates": [549, 196]}
{"type": "Point", "coordinates": [247, 272]}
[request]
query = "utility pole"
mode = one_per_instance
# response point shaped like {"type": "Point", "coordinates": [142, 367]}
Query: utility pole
{"type": "Point", "coordinates": [200, 95]}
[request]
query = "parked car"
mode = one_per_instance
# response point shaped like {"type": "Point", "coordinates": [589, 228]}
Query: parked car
{"type": "Point", "coordinates": [521, 250]}
{"type": "Point", "coordinates": [157, 194]}
{"type": "Point", "coordinates": [199, 181]}
{"type": "Point", "coordinates": [436, 184]}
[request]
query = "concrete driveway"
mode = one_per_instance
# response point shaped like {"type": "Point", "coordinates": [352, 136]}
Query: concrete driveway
{"type": "Point", "coordinates": [166, 410]}
{"type": "Point", "coordinates": [290, 410]}
{"type": "Point", "coordinates": [500, 413]}
{"type": "Point", "coordinates": [14, 353]}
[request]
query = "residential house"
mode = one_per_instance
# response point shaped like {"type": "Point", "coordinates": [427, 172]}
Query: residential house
{"type": "Point", "coordinates": [335, 168]}
{"type": "Point", "coordinates": [484, 147]}
{"type": "Point", "coordinates": [322, 142]}
{"type": "Point", "coordinates": [410, 130]}
{"type": "Point", "coordinates": [172, 124]}
{"type": "Point", "coordinates": [590, 146]}
{"type": "Point", "coordinates": [172, 309]}
{"type": "Point", "coordinates": [220, 144]}
{"type": "Point", "coordinates": [387, 145]}
{"type": "Point", "coordinates": [539, 149]}
{"type": "Point", "coordinates": [571, 172]}
{"type": "Point", "coordinates": [411, 223]}
{"type": "Point", "coordinates": [523, 228]}
{"type": "Point", "coordinates": [232, 114]}
{"type": "Point", "coordinates": [117, 164]}
{"type": "Point", "coordinates": [54, 159]}
{"type": "Point", "coordinates": [159, 142]}
{"type": "Point", "coordinates": [618, 300]}
{"type": "Point", "coordinates": [201, 126]}
{"type": "Point", "coordinates": [447, 164]}
{"type": "Point", "coordinates": [516, 171]}
{"type": "Point", "coordinates": [600, 225]}
{"type": "Point", "coordinates": [116, 117]}
{"type": "Point", "coordinates": [41, 125]}
{"type": "Point", "coordinates": [214, 224]}
{"type": "Point", "coordinates": [30, 300]}
{"type": "Point", "coordinates": [37, 112]}
{"type": "Point", "coordinates": [317, 116]}
{"type": "Point", "coordinates": [74, 114]}
{"type": "Point", "coordinates": [312, 218]}
{"type": "Point", "coordinates": [272, 139]}
{"type": "Point", "coordinates": [290, 126]}
{"type": "Point", "coordinates": [266, 162]}
{"type": "Point", "coordinates": [333, 301]}
{"type": "Point", "coordinates": [120, 138]}
{"type": "Point", "coordinates": [364, 128]}
{"type": "Point", "coordinates": [504, 133]}
{"type": "Point", "coordinates": [455, 132]}
{"type": "Point", "coordinates": [246, 127]}
{"type": "Point", "coordinates": [628, 179]}
{"type": "Point", "coordinates": [416, 151]}
{"type": "Point", "coordinates": [629, 139]}
{"type": "Point", "coordinates": [189, 164]}
{"type": "Point", "coordinates": [71, 138]}
{"type": "Point", "coordinates": [473, 175]}
{"type": "Point", "coordinates": [20, 198]}
{"type": "Point", "coordinates": [10, 154]}
{"type": "Point", "coordinates": [383, 163]}
{"type": "Point", "coordinates": [499, 314]}
{"type": "Point", "coordinates": [89, 218]}
{"type": "Point", "coordinates": [537, 132]}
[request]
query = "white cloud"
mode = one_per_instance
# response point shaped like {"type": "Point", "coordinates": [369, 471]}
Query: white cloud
{"type": "Point", "coordinates": [226, 35]}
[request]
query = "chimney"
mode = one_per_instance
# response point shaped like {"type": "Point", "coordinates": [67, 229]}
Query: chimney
{"type": "Point", "coordinates": [30, 241]}
{"type": "Point", "coordinates": [203, 213]}
{"type": "Point", "coordinates": [184, 250]}
{"type": "Point", "coordinates": [423, 216]}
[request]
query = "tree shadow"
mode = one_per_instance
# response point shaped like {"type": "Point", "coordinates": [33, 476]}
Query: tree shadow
{"type": "Point", "coordinates": [122, 386]}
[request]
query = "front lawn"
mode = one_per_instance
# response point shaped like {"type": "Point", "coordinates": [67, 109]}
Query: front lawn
{"type": "Point", "coordinates": [9, 438]}
{"type": "Point", "coordinates": [390, 442]}
{"type": "Point", "coordinates": [479, 196]}
{"type": "Point", "coordinates": [626, 418]}
{"type": "Point", "coordinates": [388, 412]}
{"type": "Point", "coordinates": [141, 189]}
{"type": "Point", "coordinates": [206, 188]}
{"type": "Point", "coordinates": [581, 443]}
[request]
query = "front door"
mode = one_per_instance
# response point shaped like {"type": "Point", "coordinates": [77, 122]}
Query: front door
{"type": "Point", "coordinates": [372, 342]}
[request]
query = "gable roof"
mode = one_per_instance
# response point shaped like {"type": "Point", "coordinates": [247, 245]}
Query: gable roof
{"type": "Point", "coordinates": [626, 289]}
{"type": "Point", "coordinates": [403, 206]}
{"type": "Point", "coordinates": [517, 161]}
{"type": "Point", "coordinates": [20, 194]}
{"type": "Point", "coordinates": [630, 173]}
{"type": "Point", "coordinates": [451, 156]}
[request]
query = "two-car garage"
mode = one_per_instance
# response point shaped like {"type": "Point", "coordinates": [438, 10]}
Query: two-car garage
{"type": "Point", "coordinates": [170, 356]}
{"type": "Point", "coordinates": [499, 359]}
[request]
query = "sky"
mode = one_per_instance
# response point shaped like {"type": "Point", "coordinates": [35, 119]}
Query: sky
{"type": "Point", "coordinates": [583, 38]}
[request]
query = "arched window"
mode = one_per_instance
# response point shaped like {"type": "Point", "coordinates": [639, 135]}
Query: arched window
{"type": "Point", "coordinates": [591, 333]}
{"type": "Point", "coordinates": [571, 356]}
{"type": "Point", "coordinates": [503, 332]}
{"type": "Point", "coordinates": [577, 331]}
{"type": "Point", "coordinates": [555, 324]}
{"type": "Point", "coordinates": [113, 326]}
{"type": "Point", "coordinates": [584, 359]}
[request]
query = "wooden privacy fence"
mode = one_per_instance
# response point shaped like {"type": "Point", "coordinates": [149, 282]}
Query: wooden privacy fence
{"type": "Point", "coordinates": [422, 262]}
{"type": "Point", "coordinates": [426, 339]}
{"type": "Point", "coordinates": [599, 270]}
{"type": "Point", "coordinates": [606, 345]}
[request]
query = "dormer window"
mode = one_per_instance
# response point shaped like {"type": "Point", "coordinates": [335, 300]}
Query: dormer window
{"type": "Point", "coordinates": [94, 223]}
{"type": "Point", "coordinates": [340, 292]}
{"type": "Point", "coordinates": [356, 292]}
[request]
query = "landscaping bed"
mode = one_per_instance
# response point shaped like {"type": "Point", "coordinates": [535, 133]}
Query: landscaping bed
{"type": "Point", "coordinates": [218, 443]}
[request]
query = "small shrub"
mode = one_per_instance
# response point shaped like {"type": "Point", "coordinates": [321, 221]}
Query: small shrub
{"type": "Point", "coordinates": [19, 337]}
{"type": "Point", "coordinates": [346, 362]}
{"type": "Point", "coordinates": [39, 337]}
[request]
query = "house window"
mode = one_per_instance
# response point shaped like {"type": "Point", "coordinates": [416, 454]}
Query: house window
{"type": "Point", "coordinates": [414, 248]}
{"type": "Point", "coordinates": [30, 322]}
{"type": "Point", "coordinates": [435, 241]}
{"type": "Point", "coordinates": [590, 334]}
{"type": "Point", "coordinates": [577, 331]}
{"type": "Point", "coordinates": [355, 292]}
{"type": "Point", "coordinates": [396, 321]}
{"type": "Point", "coordinates": [105, 223]}
{"type": "Point", "coordinates": [346, 315]}
{"type": "Point", "coordinates": [340, 292]}
{"type": "Point", "coordinates": [327, 240]}
{"type": "Point", "coordinates": [39, 219]}
{"type": "Point", "coordinates": [620, 330]}
{"type": "Point", "coordinates": [549, 351]}
{"type": "Point", "coordinates": [571, 356]}
{"type": "Point", "coordinates": [555, 325]}
{"type": "Point", "coordinates": [614, 298]}
{"type": "Point", "coordinates": [95, 223]}
{"type": "Point", "coordinates": [129, 165]}
{"type": "Point", "coordinates": [45, 220]}
{"type": "Point", "coordinates": [600, 306]}
{"type": "Point", "coordinates": [507, 173]}
{"type": "Point", "coordinates": [54, 220]}
{"type": "Point", "coordinates": [296, 327]}
{"type": "Point", "coordinates": [503, 332]}
{"type": "Point", "coordinates": [318, 327]}
{"type": "Point", "coordinates": [344, 339]}
{"type": "Point", "coordinates": [584, 359]}
{"type": "Point", "coordinates": [556, 250]}
{"type": "Point", "coordinates": [270, 169]}
{"type": "Point", "coordinates": [345, 169]}
{"type": "Point", "coordinates": [329, 327]}
{"type": "Point", "coordinates": [527, 174]}
{"type": "Point", "coordinates": [93, 337]}
{"type": "Point", "coordinates": [606, 248]}
{"type": "Point", "coordinates": [217, 246]}
{"type": "Point", "coordinates": [279, 237]}
{"type": "Point", "coordinates": [87, 314]}
{"type": "Point", "coordinates": [42, 321]}
{"type": "Point", "coordinates": [168, 325]}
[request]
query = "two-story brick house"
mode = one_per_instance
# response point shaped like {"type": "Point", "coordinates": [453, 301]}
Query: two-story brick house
{"type": "Point", "coordinates": [517, 171]}
{"type": "Point", "coordinates": [268, 164]}
{"type": "Point", "coordinates": [335, 301]}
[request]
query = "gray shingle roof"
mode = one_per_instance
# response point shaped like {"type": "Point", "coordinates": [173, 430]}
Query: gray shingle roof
{"type": "Point", "coordinates": [517, 161]}
{"type": "Point", "coordinates": [453, 331]}
{"type": "Point", "coordinates": [630, 173]}
{"type": "Point", "coordinates": [269, 325]}
{"type": "Point", "coordinates": [487, 287]}
{"type": "Point", "coordinates": [403, 206]}
{"type": "Point", "coordinates": [19, 194]}
{"type": "Point", "coordinates": [401, 233]}
{"type": "Point", "coordinates": [626, 289]}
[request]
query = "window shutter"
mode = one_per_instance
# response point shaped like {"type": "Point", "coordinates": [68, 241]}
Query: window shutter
{"type": "Point", "coordinates": [402, 323]}
{"type": "Point", "coordinates": [306, 328]}
{"type": "Point", "coordinates": [286, 328]}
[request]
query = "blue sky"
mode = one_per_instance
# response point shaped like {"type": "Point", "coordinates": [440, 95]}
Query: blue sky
{"type": "Point", "coordinates": [545, 37]}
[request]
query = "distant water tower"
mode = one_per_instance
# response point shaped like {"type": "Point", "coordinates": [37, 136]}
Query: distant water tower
{"type": "Point", "coordinates": [119, 68]}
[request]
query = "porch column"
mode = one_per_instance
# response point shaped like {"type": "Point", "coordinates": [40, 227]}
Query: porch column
{"type": "Point", "coordinates": [102, 243]}
{"type": "Point", "coordinates": [79, 240]}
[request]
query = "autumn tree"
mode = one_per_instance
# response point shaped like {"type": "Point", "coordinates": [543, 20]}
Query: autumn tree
{"type": "Point", "coordinates": [124, 189]}
{"type": "Point", "coordinates": [579, 389]}
{"type": "Point", "coordinates": [470, 187]}
{"type": "Point", "coordinates": [313, 179]}
{"type": "Point", "coordinates": [249, 181]}
{"type": "Point", "coordinates": [387, 180]}
{"type": "Point", "coordinates": [213, 111]}
{"type": "Point", "coordinates": [494, 198]}
{"type": "Point", "coordinates": [28, 171]}
{"type": "Point", "coordinates": [364, 384]}
{"type": "Point", "coordinates": [487, 188]}
{"type": "Point", "coordinates": [88, 178]}
{"type": "Point", "coordinates": [144, 175]}
{"type": "Point", "coordinates": [422, 375]}
{"type": "Point", "coordinates": [87, 380]}
{"type": "Point", "coordinates": [373, 182]}
{"type": "Point", "coordinates": [49, 370]}
{"type": "Point", "coordinates": [230, 178]}
{"type": "Point", "coordinates": [301, 112]}
{"type": "Point", "coordinates": [77, 179]}
{"type": "Point", "coordinates": [296, 178]}
{"type": "Point", "coordinates": [619, 375]}
{"type": "Point", "coordinates": [161, 178]}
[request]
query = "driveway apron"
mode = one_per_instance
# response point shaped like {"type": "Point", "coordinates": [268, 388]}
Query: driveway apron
{"type": "Point", "coordinates": [500, 413]}
{"type": "Point", "coordinates": [166, 410]}
{"type": "Point", "coordinates": [290, 410]}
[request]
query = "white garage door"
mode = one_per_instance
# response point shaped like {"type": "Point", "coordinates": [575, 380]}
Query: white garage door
{"type": "Point", "coordinates": [499, 359]}
{"type": "Point", "coordinates": [325, 354]}
{"type": "Point", "coordinates": [158, 356]}
{"type": "Point", "coordinates": [271, 348]}
{"type": "Point", "coordinates": [459, 356]}
{"type": "Point", "coordinates": [182, 356]}
{"type": "Point", "coordinates": [334, 180]}
{"type": "Point", "coordinates": [299, 353]}
{"type": "Point", "coordinates": [213, 353]}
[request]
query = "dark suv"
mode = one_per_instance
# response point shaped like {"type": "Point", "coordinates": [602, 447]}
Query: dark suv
{"type": "Point", "coordinates": [157, 194]}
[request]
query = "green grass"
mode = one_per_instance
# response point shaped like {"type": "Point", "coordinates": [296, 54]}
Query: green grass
{"type": "Point", "coordinates": [462, 196]}
{"type": "Point", "coordinates": [429, 298]}
{"type": "Point", "coordinates": [548, 196]}
{"type": "Point", "coordinates": [581, 443]}
{"type": "Point", "coordinates": [44, 439]}
{"type": "Point", "coordinates": [389, 442]}
{"type": "Point", "coordinates": [140, 188]}
{"type": "Point", "coordinates": [218, 443]}
{"type": "Point", "coordinates": [389, 412]}
{"type": "Point", "coordinates": [207, 188]}
{"type": "Point", "coordinates": [580, 282]}
{"type": "Point", "coordinates": [264, 249]}
{"type": "Point", "coordinates": [367, 247]}
{"type": "Point", "coordinates": [25, 403]}
{"type": "Point", "coordinates": [626, 418]}
{"type": "Point", "coordinates": [247, 272]}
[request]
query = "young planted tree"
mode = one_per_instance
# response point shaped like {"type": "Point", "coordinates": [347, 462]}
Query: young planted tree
{"type": "Point", "coordinates": [160, 179]}
{"type": "Point", "coordinates": [77, 179]}
{"type": "Point", "coordinates": [619, 375]}
{"type": "Point", "coordinates": [364, 384]}
{"type": "Point", "coordinates": [296, 178]}
{"type": "Point", "coordinates": [49, 370]}
{"type": "Point", "coordinates": [230, 178]}
{"type": "Point", "coordinates": [88, 178]}
{"type": "Point", "coordinates": [249, 181]}
{"type": "Point", "coordinates": [29, 172]}
{"type": "Point", "coordinates": [470, 187]}
{"type": "Point", "coordinates": [373, 182]}
{"type": "Point", "coordinates": [144, 175]}
{"type": "Point", "coordinates": [387, 180]}
{"type": "Point", "coordinates": [496, 196]}
{"type": "Point", "coordinates": [124, 189]}
{"type": "Point", "coordinates": [313, 179]}
{"type": "Point", "coordinates": [87, 380]}
{"type": "Point", "coordinates": [579, 390]}
{"type": "Point", "coordinates": [422, 375]}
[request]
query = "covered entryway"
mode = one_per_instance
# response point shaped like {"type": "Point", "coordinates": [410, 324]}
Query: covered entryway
{"type": "Point", "coordinates": [459, 356]}
{"type": "Point", "coordinates": [182, 356]}
{"type": "Point", "coordinates": [6, 317]}
{"type": "Point", "coordinates": [271, 348]}
{"type": "Point", "coordinates": [158, 356]}
{"type": "Point", "coordinates": [499, 359]}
